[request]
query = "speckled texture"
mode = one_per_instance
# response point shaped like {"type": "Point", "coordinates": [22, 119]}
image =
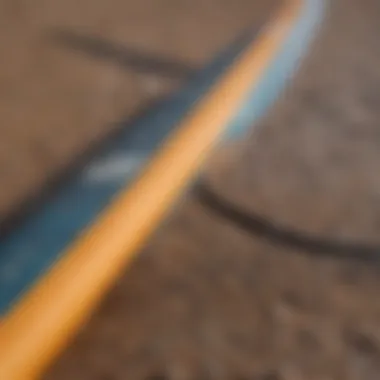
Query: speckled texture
{"type": "Point", "coordinates": [224, 306]}
{"type": "Point", "coordinates": [205, 301]}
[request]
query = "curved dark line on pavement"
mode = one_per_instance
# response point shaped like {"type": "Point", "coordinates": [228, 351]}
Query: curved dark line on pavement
{"type": "Point", "coordinates": [257, 225]}
{"type": "Point", "coordinates": [100, 48]}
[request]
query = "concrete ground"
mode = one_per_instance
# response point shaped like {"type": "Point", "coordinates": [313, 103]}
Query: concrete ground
{"type": "Point", "coordinates": [205, 300]}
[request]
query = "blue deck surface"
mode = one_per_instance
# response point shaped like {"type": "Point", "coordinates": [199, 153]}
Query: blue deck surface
{"type": "Point", "coordinates": [31, 249]}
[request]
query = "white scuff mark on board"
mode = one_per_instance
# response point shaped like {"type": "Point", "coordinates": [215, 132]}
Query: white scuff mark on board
{"type": "Point", "coordinates": [117, 167]}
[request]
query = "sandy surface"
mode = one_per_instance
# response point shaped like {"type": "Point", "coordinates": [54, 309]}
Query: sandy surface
{"type": "Point", "coordinates": [206, 301]}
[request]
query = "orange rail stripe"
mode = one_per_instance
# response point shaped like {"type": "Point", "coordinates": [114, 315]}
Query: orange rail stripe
{"type": "Point", "coordinates": [40, 326]}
